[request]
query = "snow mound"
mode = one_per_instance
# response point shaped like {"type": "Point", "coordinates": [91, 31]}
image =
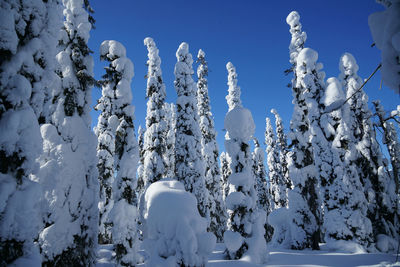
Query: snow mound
{"type": "Point", "coordinates": [334, 95]}
{"type": "Point", "coordinates": [239, 123]}
{"type": "Point", "coordinates": [279, 219]}
{"type": "Point", "coordinates": [293, 18]}
{"type": "Point", "coordinates": [345, 246]}
{"type": "Point", "coordinates": [174, 232]}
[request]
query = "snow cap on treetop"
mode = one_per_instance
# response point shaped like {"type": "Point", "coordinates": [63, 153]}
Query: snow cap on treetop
{"type": "Point", "coordinates": [348, 64]}
{"type": "Point", "coordinates": [201, 53]}
{"type": "Point", "coordinates": [239, 123]}
{"type": "Point", "coordinates": [307, 56]}
{"type": "Point", "coordinates": [293, 18]}
{"type": "Point", "coordinates": [112, 49]}
{"type": "Point", "coordinates": [334, 95]}
{"type": "Point", "coordinates": [183, 52]}
{"type": "Point", "coordinates": [148, 41]}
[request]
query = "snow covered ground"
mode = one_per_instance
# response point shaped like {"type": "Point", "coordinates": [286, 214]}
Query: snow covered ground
{"type": "Point", "coordinates": [284, 257]}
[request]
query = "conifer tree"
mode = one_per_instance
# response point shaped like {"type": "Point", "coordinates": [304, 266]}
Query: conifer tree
{"type": "Point", "coordinates": [225, 172]}
{"type": "Point", "coordinates": [154, 145]}
{"type": "Point", "coordinates": [170, 110]}
{"type": "Point", "coordinates": [282, 147]}
{"type": "Point", "coordinates": [345, 204]}
{"type": "Point", "coordinates": [305, 203]}
{"type": "Point", "coordinates": [140, 182]}
{"type": "Point", "coordinates": [27, 55]}
{"type": "Point", "coordinates": [369, 158]}
{"type": "Point", "coordinates": [245, 221]}
{"type": "Point", "coordinates": [189, 165]}
{"type": "Point", "coordinates": [263, 195]}
{"type": "Point", "coordinates": [210, 151]}
{"type": "Point", "coordinates": [278, 185]}
{"type": "Point", "coordinates": [126, 153]}
{"type": "Point", "coordinates": [68, 165]}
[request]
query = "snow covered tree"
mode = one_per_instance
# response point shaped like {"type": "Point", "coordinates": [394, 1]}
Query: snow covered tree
{"type": "Point", "coordinates": [225, 172]}
{"type": "Point", "coordinates": [345, 204]}
{"type": "Point", "coordinates": [154, 146]}
{"type": "Point", "coordinates": [29, 35]}
{"type": "Point", "coordinates": [210, 151]}
{"type": "Point", "coordinates": [282, 147]}
{"type": "Point", "coordinates": [189, 164]}
{"type": "Point", "coordinates": [123, 214]}
{"type": "Point", "coordinates": [140, 182]}
{"type": "Point", "coordinates": [68, 170]}
{"type": "Point", "coordinates": [170, 110]}
{"type": "Point", "coordinates": [263, 195]}
{"type": "Point", "coordinates": [305, 203]}
{"type": "Point", "coordinates": [369, 158]}
{"type": "Point", "coordinates": [245, 232]}
{"type": "Point", "coordinates": [278, 186]}
{"type": "Point", "coordinates": [385, 31]}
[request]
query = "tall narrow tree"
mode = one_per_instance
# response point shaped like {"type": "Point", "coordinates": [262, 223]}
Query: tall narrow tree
{"type": "Point", "coordinates": [170, 110]}
{"type": "Point", "coordinates": [71, 196]}
{"type": "Point", "coordinates": [154, 145]}
{"type": "Point", "coordinates": [278, 186]}
{"type": "Point", "coordinates": [281, 143]}
{"type": "Point", "coordinates": [210, 151]}
{"type": "Point", "coordinates": [140, 181]}
{"type": "Point", "coordinates": [27, 56]}
{"type": "Point", "coordinates": [118, 79]}
{"type": "Point", "coordinates": [245, 221]}
{"type": "Point", "coordinates": [305, 203]}
{"type": "Point", "coordinates": [369, 158]}
{"type": "Point", "coordinates": [189, 165]}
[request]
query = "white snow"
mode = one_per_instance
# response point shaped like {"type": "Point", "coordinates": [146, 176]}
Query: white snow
{"type": "Point", "coordinates": [242, 117]}
{"type": "Point", "coordinates": [334, 96]}
{"type": "Point", "coordinates": [174, 232]}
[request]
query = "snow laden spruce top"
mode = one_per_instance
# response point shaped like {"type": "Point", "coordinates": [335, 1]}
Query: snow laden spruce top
{"type": "Point", "coordinates": [348, 64]}
{"type": "Point", "coordinates": [239, 123]}
{"type": "Point", "coordinates": [334, 95]}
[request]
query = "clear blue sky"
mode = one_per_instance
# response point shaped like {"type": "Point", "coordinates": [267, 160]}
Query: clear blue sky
{"type": "Point", "coordinates": [252, 34]}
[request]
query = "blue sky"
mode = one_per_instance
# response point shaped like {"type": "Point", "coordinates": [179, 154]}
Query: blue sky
{"type": "Point", "coordinates": [252, 34]}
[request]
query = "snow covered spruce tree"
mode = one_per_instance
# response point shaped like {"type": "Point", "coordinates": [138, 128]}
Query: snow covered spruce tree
{"type": "Point", "coordinates": [123, 214]}
{"type": "Point", "coordinates": [385, 31]}
{"type": "Point", "coordinates": [29, 35]}
{"type": "Point", "coordinates": [245, 234]}
{"type": "Point", "coordinates": [282, 147]}
{"type": "Point", "coordinates": [170, 110]}
{"type": "Point", "coordinates": [225, 172]}
{"type": "Point", "coordinates": [68, 170]}
{"type": "Point", "coordinates": [305, 215]}
{"type": "Point", "coordinates": [369, 158]}
{"type": "Point", "coordinates": [189, 164]}
{"type": "Point", "coordinates": [155, 136]}
{"type": "Point", "coordinates": [278, 186]}
{"type": "Point", "coordinates": [263, 195]}
{"type": "Point", "coordinates": [210, 152]}
{"type": "Point", "coordinates": [345, 204]}
{"type": "Point", "coordinates": [140, 182]}
{"type": "Point", "coordinates": [387, 240]}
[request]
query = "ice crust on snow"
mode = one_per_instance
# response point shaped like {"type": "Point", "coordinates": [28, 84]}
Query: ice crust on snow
{"type": "Point", "coordinates": [174, 232]}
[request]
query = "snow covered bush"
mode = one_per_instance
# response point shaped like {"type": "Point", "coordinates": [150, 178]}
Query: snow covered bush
{"type": "Point", "coordinates": [210, 152]}
{"type": "Point", "coordinates": [28, 38]}
{"type": "Point", "coordinates": [155, 136]}
{"type": "Point", "coordinates": [245, 235]}
{"type": "Point", "coordinates": [189, 163]}
{"type": "Point", "coordinates": [385, 30]}
{"type": "Point", "coordinates": [174, 232]}
{"type": "Point", "coordinates": [68, 171]}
